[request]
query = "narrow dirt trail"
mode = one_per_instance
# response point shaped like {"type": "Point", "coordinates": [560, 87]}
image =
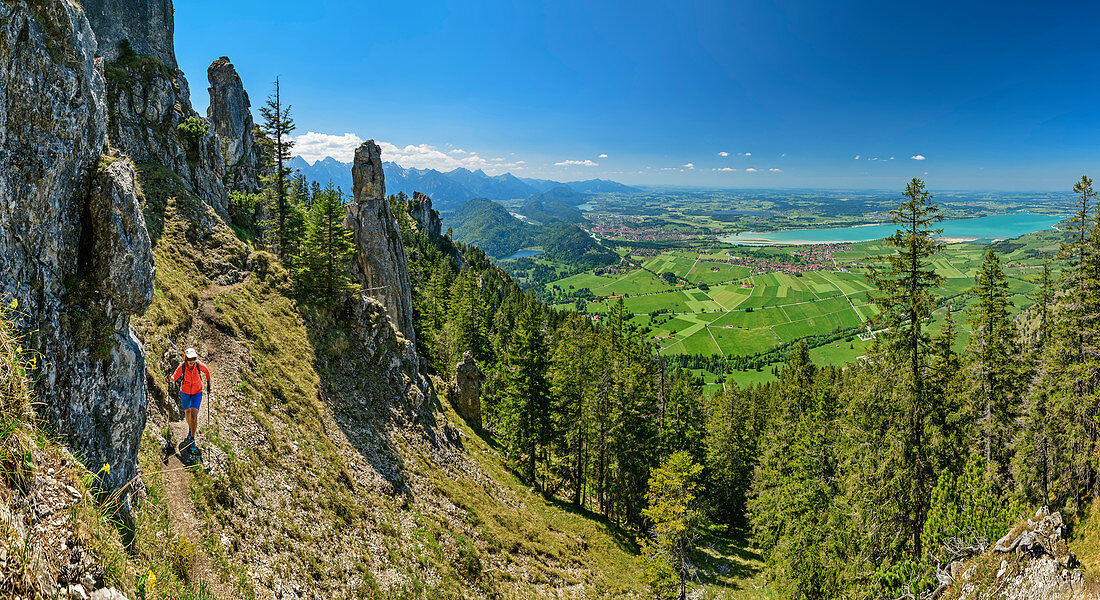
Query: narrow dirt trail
{"type": "Point", "coordinates": [223, 356]}
{"type": "Point", "coordinates": [183, 517]}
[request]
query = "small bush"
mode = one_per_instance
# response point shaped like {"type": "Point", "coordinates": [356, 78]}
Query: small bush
{"type": "Point", "coordinates": [193, 129]}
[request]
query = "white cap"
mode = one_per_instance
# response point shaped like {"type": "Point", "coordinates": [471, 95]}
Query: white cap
{"type": "Point", "coordinates": [190, 353]}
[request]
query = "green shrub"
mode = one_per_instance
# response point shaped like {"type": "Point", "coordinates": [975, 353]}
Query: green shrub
{"type": "Point", "coordinates": [193, 129]}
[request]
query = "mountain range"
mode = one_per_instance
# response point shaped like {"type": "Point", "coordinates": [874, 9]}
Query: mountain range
{"type": "Point", "coordinates": [448, 190]}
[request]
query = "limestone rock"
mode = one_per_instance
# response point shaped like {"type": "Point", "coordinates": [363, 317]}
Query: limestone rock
{"type": "Point", "coordinates": [122, 249]}
{"type": "Point", "coordinates": [148, 98]}
{"type": "Point", "coordinates": [148, 25]}
{"type": "Point", "coordinates": [380, 264]}
{"type": "Point", "coordinates": [71, 236]}
{"type": "Point", "coordinates": [231, 115]}
{"type": "Point", "coordinates": [1042, 568]}
{"type": "Point", "coordinates": [464, 392]}
{"type": "Point", "coordinates": [427, 219]}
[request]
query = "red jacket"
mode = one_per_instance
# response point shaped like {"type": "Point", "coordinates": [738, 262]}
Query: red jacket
{"type": "Point", "coordinates": [192, 383]}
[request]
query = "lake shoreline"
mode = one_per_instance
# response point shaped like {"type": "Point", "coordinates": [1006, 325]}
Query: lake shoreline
{"type": "Point", "coordinates": [994, 227]}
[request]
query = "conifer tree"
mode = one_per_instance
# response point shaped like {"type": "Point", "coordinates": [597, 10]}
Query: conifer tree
{"type": "Point", "coordinates": [574, 358]}
{"type": "Point", "coordinates": [905, 302]}
{"type": "Point", "coordinates": [734, 422]}
{"type": "Point", "coordinates": [1044, 301]}
{"type": "Point", "coordinates": [794, 483]}
{"type": "Point", "coordinates": [468, 318]}
{"type": "Point", "coordinates": [993, 359]}
{"type": "Point", "coordinates": [277, 125]}
{"type": "Point", "coordinates": [328, 248]}
{"type": "Point", "coordinates": [525, 417]}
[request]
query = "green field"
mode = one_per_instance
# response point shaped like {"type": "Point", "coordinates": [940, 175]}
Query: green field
{"type": "Point", "coordinates": [745, 312]}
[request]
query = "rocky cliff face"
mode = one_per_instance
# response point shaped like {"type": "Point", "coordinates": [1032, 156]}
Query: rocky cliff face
{"type": "Point", "coordinates": [147, 25]}
{"type": "Point", "coordinates": [427, 219]}
{"type": "Point", "coordinates": [380, 263]}
{"type": "Point", "coordinates": [148, 100]}
{"type": "Point", "coordinates": [231, 115]}
{"type": "Point", "coordinates": [74, 251]}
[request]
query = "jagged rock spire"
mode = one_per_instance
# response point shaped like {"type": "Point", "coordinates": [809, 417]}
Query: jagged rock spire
{"type": "Point", "coordinates": [231, 115]}
{"type": "Point", "coordinates": [380, 263]}
{"type": "Point", "coordinates": [427, 218]}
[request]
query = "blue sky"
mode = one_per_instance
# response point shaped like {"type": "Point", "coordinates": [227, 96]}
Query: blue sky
{"type": "Point", "coordinates": [1000, 96]}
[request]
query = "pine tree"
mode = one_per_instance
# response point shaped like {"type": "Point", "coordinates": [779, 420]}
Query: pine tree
{"type": "Point", "coordinates": [795, 481]}
{"type": "Point", "coordinates": [277, 126]}
{"type": "Point", "coordinates": [328, 248]}
{"type": "Point", "coordinates": [905, 302]}
{"type": "Point", "coordinates": [525, 418]}
{"type": "Point", "coordinates": [994, 361]}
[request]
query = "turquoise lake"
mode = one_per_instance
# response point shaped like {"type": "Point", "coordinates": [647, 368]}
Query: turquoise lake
{"type": "Point", "coordinates": [995, 227]}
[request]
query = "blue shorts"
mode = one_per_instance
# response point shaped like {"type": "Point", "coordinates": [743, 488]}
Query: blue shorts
{"type": "Point", "coordinates": [191, 400]}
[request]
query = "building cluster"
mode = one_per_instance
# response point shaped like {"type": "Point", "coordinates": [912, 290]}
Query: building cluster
{"type": "Point", "coordinates": [629, 228]}
{"type": "Point", "coordinates": [811, 257]}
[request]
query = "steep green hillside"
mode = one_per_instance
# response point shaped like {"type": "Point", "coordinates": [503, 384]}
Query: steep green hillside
{"type": "Point", "coordinates": [489, 226]}
{"type": "Point", "coordinates": [321, 475]}
{"type": "Point", "coordinates": [558, 204]}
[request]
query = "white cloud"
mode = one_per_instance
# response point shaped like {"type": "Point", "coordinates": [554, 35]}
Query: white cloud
{"type": "Point", "coordinates": [688, 165]}
{"type": "Point", "coordinates": [917, 157]}
{"type": "Point", "coordinates": [875, 158]}
{"type": "Point", "coordinates": [424, 156]}
{"type": "Point", "coordinates": [578, 163]}
{"type": "Point", "coordinates": [723, 154]}
{"type": "Point", "coordinates": [744, 154]}
{"type": "Point", "coordinates": [891, 158]}
{"type": "Point", "coordinates": [784, 155]}
{"type": "Point", "coordinates": [314, 146]}
{"type": "Point", "coordinates": [857, 157]}
{"type": "Point", "coordinates": [774, 170]}
{"type": "Point", "coordinates": [602, 156]}
{"type": "Point", "coordinates": [724, 169]}
{"type": "Point", "coordinates": [751, 170]}
{"type": "Point", "coordinates": [668, 168]}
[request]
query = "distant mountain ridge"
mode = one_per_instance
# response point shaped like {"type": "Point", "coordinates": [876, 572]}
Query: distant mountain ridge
{"type": "Point", "coordinates": [450, 190]}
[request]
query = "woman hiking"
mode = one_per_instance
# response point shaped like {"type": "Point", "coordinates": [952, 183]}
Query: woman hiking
{"type": "Point", "coordinates": [191, 390]}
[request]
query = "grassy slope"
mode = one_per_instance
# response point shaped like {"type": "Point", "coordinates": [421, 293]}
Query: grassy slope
{"type": "Point", "coordinates": [302, 492]}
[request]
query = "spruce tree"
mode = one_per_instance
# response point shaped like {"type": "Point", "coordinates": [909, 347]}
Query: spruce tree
{"type": "Point", "coordinates": [905, 302]}
{"type": "Point", "coordinates": [525, 411]}
{"type": "Point", "coordinates": [994, 362]}
{"type": "Point", "coordinates": [795, 482]}
{"type": "Point", "coordinates": [277, 126]}
{"type": "Point", "coordinates": [328, 248]}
